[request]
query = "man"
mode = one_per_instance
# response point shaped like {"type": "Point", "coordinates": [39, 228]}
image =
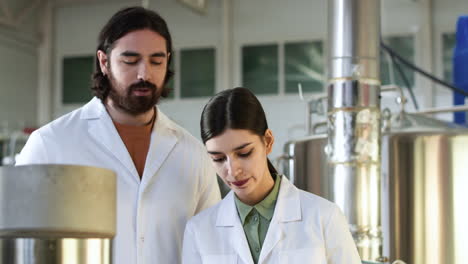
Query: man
{"type": "Point", "coordinates": [164, 174]}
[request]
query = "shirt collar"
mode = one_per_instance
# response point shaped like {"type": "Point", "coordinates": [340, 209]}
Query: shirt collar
{"type": "Point", "coordinates": [265, 208]}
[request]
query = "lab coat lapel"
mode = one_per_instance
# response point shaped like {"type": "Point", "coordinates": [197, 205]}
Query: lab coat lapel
{"type": "Point", "coordinates": [228, 218]}
{"type": "Point", "coordinates": [287, 209]}
{"type": "Point", "coordinates": [102, 130]}
{"type": "Point", "coordinates": [163, 140]}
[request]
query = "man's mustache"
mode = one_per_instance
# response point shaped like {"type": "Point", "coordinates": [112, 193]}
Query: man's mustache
{"type": "Point", "coordinates": [143, 84]}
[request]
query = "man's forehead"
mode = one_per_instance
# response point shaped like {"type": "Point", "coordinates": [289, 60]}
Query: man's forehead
{"type": "Point", "coordinates": [139, 41]}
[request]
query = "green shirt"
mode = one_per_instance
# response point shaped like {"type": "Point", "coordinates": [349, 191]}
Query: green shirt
{"type": "Point", "coordinates": [256, 219]}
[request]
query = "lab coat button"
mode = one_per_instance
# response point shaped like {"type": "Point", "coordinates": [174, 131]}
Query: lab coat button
{"type": "Point", "coordinates": [142, 239]}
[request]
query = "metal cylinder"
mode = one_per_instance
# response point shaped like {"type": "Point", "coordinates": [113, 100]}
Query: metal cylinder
{"type": "Point", "coordinates": [354, 119]}
{"type": "Point", "coordinates": [423, 186]}
{"type": "Point", "coordinates": [57, 214]}
{"type": "Point", "coordinates": [426, 175]}
{"type": "Point", "coordinates": [55, 251]}
{"type": "Point", "coordinates": [353, 35]}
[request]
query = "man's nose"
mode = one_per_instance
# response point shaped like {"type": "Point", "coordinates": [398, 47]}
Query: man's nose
{"type": "Point", "coordinates": [143, 72]}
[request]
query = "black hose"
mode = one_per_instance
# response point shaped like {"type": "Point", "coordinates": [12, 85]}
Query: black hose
{"type": "Point", "coordinates": [406, 81]}
{"type": "Point", "coordinates": [422, 72]}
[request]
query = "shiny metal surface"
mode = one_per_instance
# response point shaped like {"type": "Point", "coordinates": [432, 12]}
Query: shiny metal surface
{"type": "Point", "coordinates": [55, 251]}
{"type": "Point", "coordinates": [424, 181]}
{"type": "Point", "coordinates": [297, 165]}
{"type": "Point", "coordinates": [357, 193]}
{"type": "Point", "coordinates": [353, 93]}
{"type": "Point", "coordinates": [452, 109]}
{"type": "Point", "coordinates": [353, 34]}
{"type": "Point", "coordinates": [415, 122]}
{"type": "Point", "coordinates": [354, 119]}
{"type": "Point", "coordinates": [426, 175]}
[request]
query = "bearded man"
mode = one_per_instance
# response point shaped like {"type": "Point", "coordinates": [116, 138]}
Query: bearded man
{"type": "Point", "coordinates": [163, 173]}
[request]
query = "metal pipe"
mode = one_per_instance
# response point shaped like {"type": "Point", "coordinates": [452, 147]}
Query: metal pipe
{"type": "Point", "coordinates": [317, 126]}
{"type": "Point", "coordinates": [354, 119]}
{"type": "Point", "coordinates": [462, 108]}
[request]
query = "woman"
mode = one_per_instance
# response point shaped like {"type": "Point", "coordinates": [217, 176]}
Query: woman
{"type": "Point", "coordinates": [264, 219]}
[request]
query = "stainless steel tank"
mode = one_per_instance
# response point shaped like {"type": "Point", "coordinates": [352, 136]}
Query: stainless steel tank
{"type": "Point", "coordinates": [425, 191]}
{"type": "Point", "coordinates": [424, 182]}
{"type": "Point", "coordinates": [57, 214]}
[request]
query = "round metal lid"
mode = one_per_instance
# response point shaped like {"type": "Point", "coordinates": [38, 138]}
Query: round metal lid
{"type": "Point", "coordinates": [57, 201]}
{"type": "Point", "coordinates": [408, 122]}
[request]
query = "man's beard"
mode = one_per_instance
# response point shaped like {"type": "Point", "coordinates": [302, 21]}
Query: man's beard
{"type": "Point", "coordinates": [131, 104]}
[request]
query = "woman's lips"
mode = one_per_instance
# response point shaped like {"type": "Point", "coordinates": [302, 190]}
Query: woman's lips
{"type": "Point", "coordinates": [240, 183]}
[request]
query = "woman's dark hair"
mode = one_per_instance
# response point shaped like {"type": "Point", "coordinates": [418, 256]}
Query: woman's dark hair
{"type": "Point", "coordinates": [236, 108]}
{"type": "Point", "coordinates": [123, 22]}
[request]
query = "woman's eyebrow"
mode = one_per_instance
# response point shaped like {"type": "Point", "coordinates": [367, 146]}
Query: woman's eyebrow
{"type": "Point", "coordinates": [242, 146]}
{"type": "Point", "coordinates": [236, 148]}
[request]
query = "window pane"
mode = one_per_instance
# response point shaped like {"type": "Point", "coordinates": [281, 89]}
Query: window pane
{"type": "Point", "coordinates": [197, 72]}
{"type": "Point", "coordinates": [76, 79]}
{"type": "Point", "coordinates": [304, 65]}
{"type": "Point", "coordinates": [404, 46]}
{"type": "Point", "coordinates": [260, 68]}
{"type": "Point", "coordinates": [448, 43]}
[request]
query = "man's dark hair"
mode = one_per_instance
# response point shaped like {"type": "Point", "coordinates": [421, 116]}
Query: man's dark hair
{"type": "Point", "coordinates": [123, 22]}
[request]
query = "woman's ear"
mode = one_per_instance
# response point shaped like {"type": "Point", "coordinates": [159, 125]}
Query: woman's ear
{"type": "Point", "coordinates": [269, 140]}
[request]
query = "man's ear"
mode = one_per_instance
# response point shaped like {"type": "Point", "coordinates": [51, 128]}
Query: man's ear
{"type": "Point", "coordinates": [269, 140]}
{"type": "Point", "coordinates": [103, 62]}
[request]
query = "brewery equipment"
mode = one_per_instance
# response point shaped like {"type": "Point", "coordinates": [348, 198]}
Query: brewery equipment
{"type": "Point", "coordinates": [354, 119]}
{"type": "Point", "coordinates": [57, 214]}
{"type": "Point", "coordinates": [401, 192]}
{"type": "Point", "coordinates": [423, 186]}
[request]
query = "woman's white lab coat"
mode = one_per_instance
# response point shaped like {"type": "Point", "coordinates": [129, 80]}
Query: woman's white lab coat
{"type": "Point", "coordinates": [305, 228]}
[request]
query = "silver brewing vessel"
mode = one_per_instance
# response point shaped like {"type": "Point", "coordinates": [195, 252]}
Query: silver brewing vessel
{"type": "Point", "coordinates": [423, 190]}
{"type": "Point", "coordinates": [57, 214]}
{"type": "Point", "coordinates": [354, 119]}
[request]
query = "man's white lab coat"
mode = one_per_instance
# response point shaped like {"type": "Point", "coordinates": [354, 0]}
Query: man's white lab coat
{"type": "Point", "coordinates": [178, 179]}
{"type": "Point", "coordinates": [305, 228]}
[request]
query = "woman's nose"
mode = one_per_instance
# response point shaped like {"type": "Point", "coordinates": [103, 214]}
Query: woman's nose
{"type": "Point", "coordinates": [234, 168]}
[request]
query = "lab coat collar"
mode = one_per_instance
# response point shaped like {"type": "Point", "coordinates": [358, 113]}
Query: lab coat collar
{"type": "Point", "coordinates": [102, 129]}
{"type": "Point", "coordinates": [228, 217]}
{"type": "Point", "coordinates": [227, 213]}
{"type": "Point", "coordinates": [288, 209]}
{"type": "Point", "coordinates": [288, 205]}
{"type": "Point", "coordinates": [163, 140]}
{"type": "Point", "coordinates": [93, 109]}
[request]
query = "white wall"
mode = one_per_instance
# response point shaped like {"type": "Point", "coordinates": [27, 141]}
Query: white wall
{"type": "Point", "coordinates": [18, 79]}
{"type": "Point", "coordinates": [18, 75]}
{"type": "Point", "coordinates": [75, 34]}
{"type": "Point", "coordinates": [254, 21]}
